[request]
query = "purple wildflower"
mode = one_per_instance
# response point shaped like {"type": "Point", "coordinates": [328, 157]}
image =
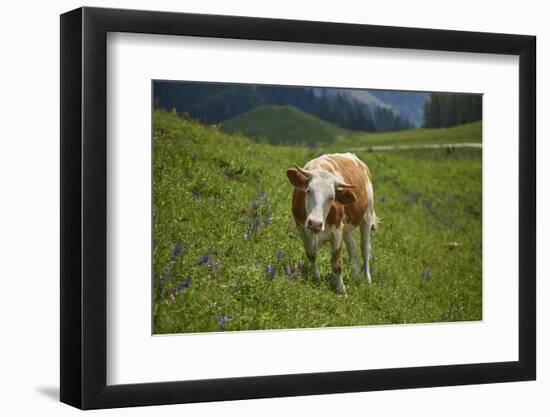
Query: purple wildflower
{"type": "Point", "coordinates": [278, 252]}
{"type": "Point", "coordinates": [203, 260]}
{"type": "Point", "coordinates": [260, 198]}
{"type": "Point", "coordinates": [383, 199]}
{"type": "Point", "coordinates": [222, 319]}
{"type": "Point", "coordinates": [187, 281]}
{"type": "Point", "coordinates": [427, 274]}
{"type": "Point", "coordinates": [178, 249]}
{"type": "Point", "coordinates": [271, 270]}
{"type": "Point", "coordinates": [185, 284]}
{"type": "Point", "coordinates": [300, 266]}
{"type": "Point", "coordinates": [194, 158]}
{"type": "Point", "coordinates": [288, 272]}
{"type": "Point", "coordinates": [260, 214]}
{"type": "Point", "coordinates": [249, 231]}
{"type": "Point", "coordinates": [159, 284]}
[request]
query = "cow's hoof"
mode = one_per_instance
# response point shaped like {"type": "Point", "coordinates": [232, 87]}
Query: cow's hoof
{"type": "Point", "coordinates": [369, 280]}
{"type": "Point", "coordinates": [366, 273]}
{"type": "Point", "coordinates": [340, 287]}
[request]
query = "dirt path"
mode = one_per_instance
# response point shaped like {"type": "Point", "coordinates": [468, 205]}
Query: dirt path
{"type": "Point", "coordinates": [376, 148]}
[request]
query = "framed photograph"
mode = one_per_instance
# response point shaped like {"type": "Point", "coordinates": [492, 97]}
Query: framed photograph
{"type": "Point", "coordinates": [257, 208]}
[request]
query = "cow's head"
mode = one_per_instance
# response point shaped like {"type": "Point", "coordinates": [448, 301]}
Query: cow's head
{"type": "Point", "coordinates": [322, 188]}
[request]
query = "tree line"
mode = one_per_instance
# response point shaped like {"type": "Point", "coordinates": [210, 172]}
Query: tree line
{"type": "Point", "coordinates": [449, 109]}
{"type": "Point", "coordinates": [354, 115]}
{"type": "Point", "coordinates": [214, 103]}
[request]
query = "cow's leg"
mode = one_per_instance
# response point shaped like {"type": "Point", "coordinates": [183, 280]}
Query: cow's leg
{"type": "Point", "coordinates": [310, 247]}
{"type": "Point", "coordinates": [336, 258]}
{"type": "Point", "coordinates": [352, 250]}
{"type": "Point", "coordinates": [365, 229]}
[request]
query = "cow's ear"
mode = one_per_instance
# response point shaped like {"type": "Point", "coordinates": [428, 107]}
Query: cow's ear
{"type": "Point", "coordinates": [297, 179]}
{"type": "Point", "coordinates": [345, 196]}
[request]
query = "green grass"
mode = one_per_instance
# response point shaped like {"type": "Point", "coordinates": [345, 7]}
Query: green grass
{"type": "Point", "coordinates": [283, 125]}
{"type": "Point", "coordinates": [209, 189]}
{"type": "Point", "coordinates": [470, 132]}
{"type": "Point", "coordinates": [286, 125]}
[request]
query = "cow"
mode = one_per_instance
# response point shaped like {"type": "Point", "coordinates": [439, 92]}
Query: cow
{"type": "Point", "coordinates": [332, 195]}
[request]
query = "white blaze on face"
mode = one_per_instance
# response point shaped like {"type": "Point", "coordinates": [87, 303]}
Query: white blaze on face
{"type": "Point", "coordinates": [320, 194]}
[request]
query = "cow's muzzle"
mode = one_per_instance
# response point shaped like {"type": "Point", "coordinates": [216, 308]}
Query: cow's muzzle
{"type": "Point", "coordinates": [314, 225]}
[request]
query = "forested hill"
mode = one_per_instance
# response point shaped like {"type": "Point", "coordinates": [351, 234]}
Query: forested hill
{"type": "Point", "coordinates": [214, 103]}
{"type": "Point", "coordinates": [447, 109]}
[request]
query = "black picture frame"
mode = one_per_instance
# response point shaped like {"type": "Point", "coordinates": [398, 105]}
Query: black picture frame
{"type": "Point", "coordinates": [84, 207]}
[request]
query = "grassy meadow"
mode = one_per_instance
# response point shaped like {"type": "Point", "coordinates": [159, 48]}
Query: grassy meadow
{"type": "Point", "coordinates": [283, 125]}
{"type": "Point", "coordinates": [226, 255]}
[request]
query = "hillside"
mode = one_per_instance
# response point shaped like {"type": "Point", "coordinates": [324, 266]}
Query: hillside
{"type": "Point", "coordinates": [466, 133]}
{"type": "Point", "coordinates": [226, 255]}
{"type": "Point", "coordinates": [283, 125]}
{"type": "Point", "coordinates": [408, 104]}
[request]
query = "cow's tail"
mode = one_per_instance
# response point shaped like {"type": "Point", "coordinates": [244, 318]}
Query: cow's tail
{"type": "Point", "coordinates": [375, 221]}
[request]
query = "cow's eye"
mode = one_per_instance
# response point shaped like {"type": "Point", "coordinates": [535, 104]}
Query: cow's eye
{"type": "Point", "coordinates": [308, 190]}
{"type": "Point", "coordinates": [332, 197]}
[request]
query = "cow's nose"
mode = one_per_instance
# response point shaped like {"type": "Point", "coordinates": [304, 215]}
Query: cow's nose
{"type": "Point", "coordinates": [314, 225]}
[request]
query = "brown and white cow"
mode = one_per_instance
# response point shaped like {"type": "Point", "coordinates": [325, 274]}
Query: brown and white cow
{"type": "Point", "coordinates": [332, 195]}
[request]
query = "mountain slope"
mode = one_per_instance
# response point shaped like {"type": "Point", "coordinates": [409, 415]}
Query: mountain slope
{"type": "Point", "coordinates": [408, 104]}
{"type": "Point", "coordinates": [362, 96]}
{"type": "Point", "coordinates": [366, 97]}
{"type": "Point", "coordinates": [283, 125]}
